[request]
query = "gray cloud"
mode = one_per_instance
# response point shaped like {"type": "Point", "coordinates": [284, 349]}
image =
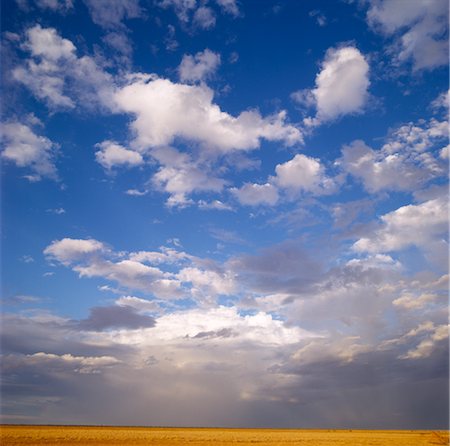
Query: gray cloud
{"type": "Point", "coordinates": [101, 318]}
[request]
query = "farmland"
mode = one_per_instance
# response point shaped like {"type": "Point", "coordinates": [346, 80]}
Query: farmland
{"type": "Point", "coordinates": [99, 436]}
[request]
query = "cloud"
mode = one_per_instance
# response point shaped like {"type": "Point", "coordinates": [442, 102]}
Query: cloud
{"type": "Point", "coordinates": [419, 32]}
{"type": "Point", "coordinates": [57, 211]}
{"type": "Point", "coordinates": [204, 18]}
{"type": "Point", "coordinates": [196, 14]}
{"type": "Point", "coordinates": [140, 305]}
{"type": "Point", "coordinates": [59, 6]}
{"type": "Point", "coordinates": [70, 250]}
{"type": "Point", "coordinates": [115, 317]}
{"type": "Point", "coordinates": [406, 162]}
{"type": "Point", "coordinates": [199, 67]}
{"type": "Point", "coordinates": [425, 348]}
{"type": "Point", "coordinates": [319, 16]}
{"type": "Point", "coordinates": [229, 6]}
{"type": "Point", "coordinates": [414, 302]}
{"type": "Point", "coordinates": [341, 85]}
{"type": "Point", "coordinates": [24, 148]}
{"type": "Point", "coordinates": [422, 225]}
{"type": "Point", "coordinates": [208, 283]}
{"type": "Point", "coordinates": [112, 154]}
{"type": "Point", "coordinates": [188, 112]}
{"type": "Point", "coordinates": [256, 194]}
{"type": "Point", "coordinates": [302, 173]}
{"type": "Point", "coordinates": [121, 43]}
{"type": "Point", "coordinates": [77, 364]}
{"type": "Point", "coordinates": [55, 75]}
{"type": "Point", "coordinates": [167, 274]}
{"type": "Point", "coordinates": [286, 268]}
{"type": "Point", "coordinates": [180, 176]}
{"type": "Point", "coordinates": [110, 13]}
{"type": "Point", "coordinates": [214, 205]}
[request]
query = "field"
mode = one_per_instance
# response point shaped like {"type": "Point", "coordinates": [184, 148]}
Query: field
{"type": "Point", "coordinates": [99, 436]}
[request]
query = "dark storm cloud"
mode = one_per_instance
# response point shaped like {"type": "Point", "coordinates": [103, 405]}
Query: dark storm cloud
{"type": "Point", "coordinates": [102, 318]}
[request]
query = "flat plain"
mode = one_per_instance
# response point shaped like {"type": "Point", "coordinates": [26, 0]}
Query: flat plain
{"type": "Point", "coordinates": [105, 435]}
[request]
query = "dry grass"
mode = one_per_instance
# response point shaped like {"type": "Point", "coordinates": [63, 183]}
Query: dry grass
{"type": "Point", "coordinates": [99, 436]}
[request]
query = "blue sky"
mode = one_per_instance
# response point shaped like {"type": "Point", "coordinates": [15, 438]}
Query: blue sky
{"type": "Point", "coordinates": [240, 207]}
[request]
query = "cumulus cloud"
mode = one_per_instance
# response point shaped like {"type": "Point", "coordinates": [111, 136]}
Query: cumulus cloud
{"type": "Point", "coordinates": [55, 75]}
{"type": "Point", "coordinates": [25, 148]}
{"type": "Point", "coordinates": [179, 181]}
{"type": "Point", "coordinates": [68, 250]}
{"type": "Point", "coordinates": [199, 67]}
{"type": "Point", "coordinates": [419, 31]}
{"type": "Point", "coordinates": [164, 110]}
{"type": "Point", "coordinates": [208, 282]}
{"type": "Point", "coordinates": [341, 85]}
{"type": "Point", "coordinates": [422, 225]}
{"type": "Point", "coordinates": [256, 194]}
{"type": "Point", "coordinates": [112, 154]}
{"type": "Point", "coordinates": [302, 173]}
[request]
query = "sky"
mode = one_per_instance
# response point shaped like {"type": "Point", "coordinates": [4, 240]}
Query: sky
{"type": "Point", "coordinates": [225, 213]}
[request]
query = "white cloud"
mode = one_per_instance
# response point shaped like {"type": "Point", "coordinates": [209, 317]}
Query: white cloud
{"type": "Point", "coordinates": [251, 194]}
{"type": "Point", "coordinates": [419, 30]}
{"type": "Point", "coordinates": [229, 6]}
{"type": "Point", "coordinates": [197, 13]}
{"type": "Point", "coordinates": [411, 301]}
{"type": "Point", "coordinates": [175, 276]}
{"type": "Point", "coordinates": [55, 75]}
{"type": "Point", "coordinates": [427, 345]}
{"type": "Point", "coordinates": [120, 42]}
{"type": "Point", "coordinates": [57, 211]}
{"type": "Point", "coordinates": [378, 261]}
{"type": "Point", "coordinates": [441, 102]}
{"type": "Point", "coordinates": [199, 67]}
{"type": "Point", "coordinates": [164, 256]}
{"type": "Point", "coordinates": [302, 173]}
{"type": "Point", "coordinates": [26, 149]}
{"type": "Point", "coordinates": [141, 305]}
{"type": "Point", "coordinates": [68, 250]}
{"type": "Point", "coordinates": [223, 324]}
{"type": "Point", "coordinates": [110, 13]}
{"type": "Point", "coordinates": [180, 181]}
{"type": "Point", "coordinates": [164, 111]}
{"type": "Point", "coordinates": [214, 204]}
{"type": "Point", "coordinates": [341, 85]}
{"type": "Point", "coordinates": [204, 18]}
{"type": "Point", "coordinates": [405, 163]}
{"type": "Point", "coordinates": [79, 364]}
{"type": "Point", "coordinates": [208, 283]}
{"type": "Point", "coordinates": [421, 225]}
{"type": "Point", "coordinates": [55, 5]}
{"type": "Point", "coordinates": [112, 154]}
{"type": "Point", "coordinates": [182, 8]}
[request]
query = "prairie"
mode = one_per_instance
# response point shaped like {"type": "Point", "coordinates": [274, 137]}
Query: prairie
{"type": "Point", "coordinates": [99, 436]}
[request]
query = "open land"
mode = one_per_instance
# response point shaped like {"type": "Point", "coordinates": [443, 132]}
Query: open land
{"type": "Point", "coordinates": [99, 436]}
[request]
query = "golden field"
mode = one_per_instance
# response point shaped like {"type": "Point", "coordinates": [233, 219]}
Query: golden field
{"type": "Point", "coordinates": [99, 436]}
